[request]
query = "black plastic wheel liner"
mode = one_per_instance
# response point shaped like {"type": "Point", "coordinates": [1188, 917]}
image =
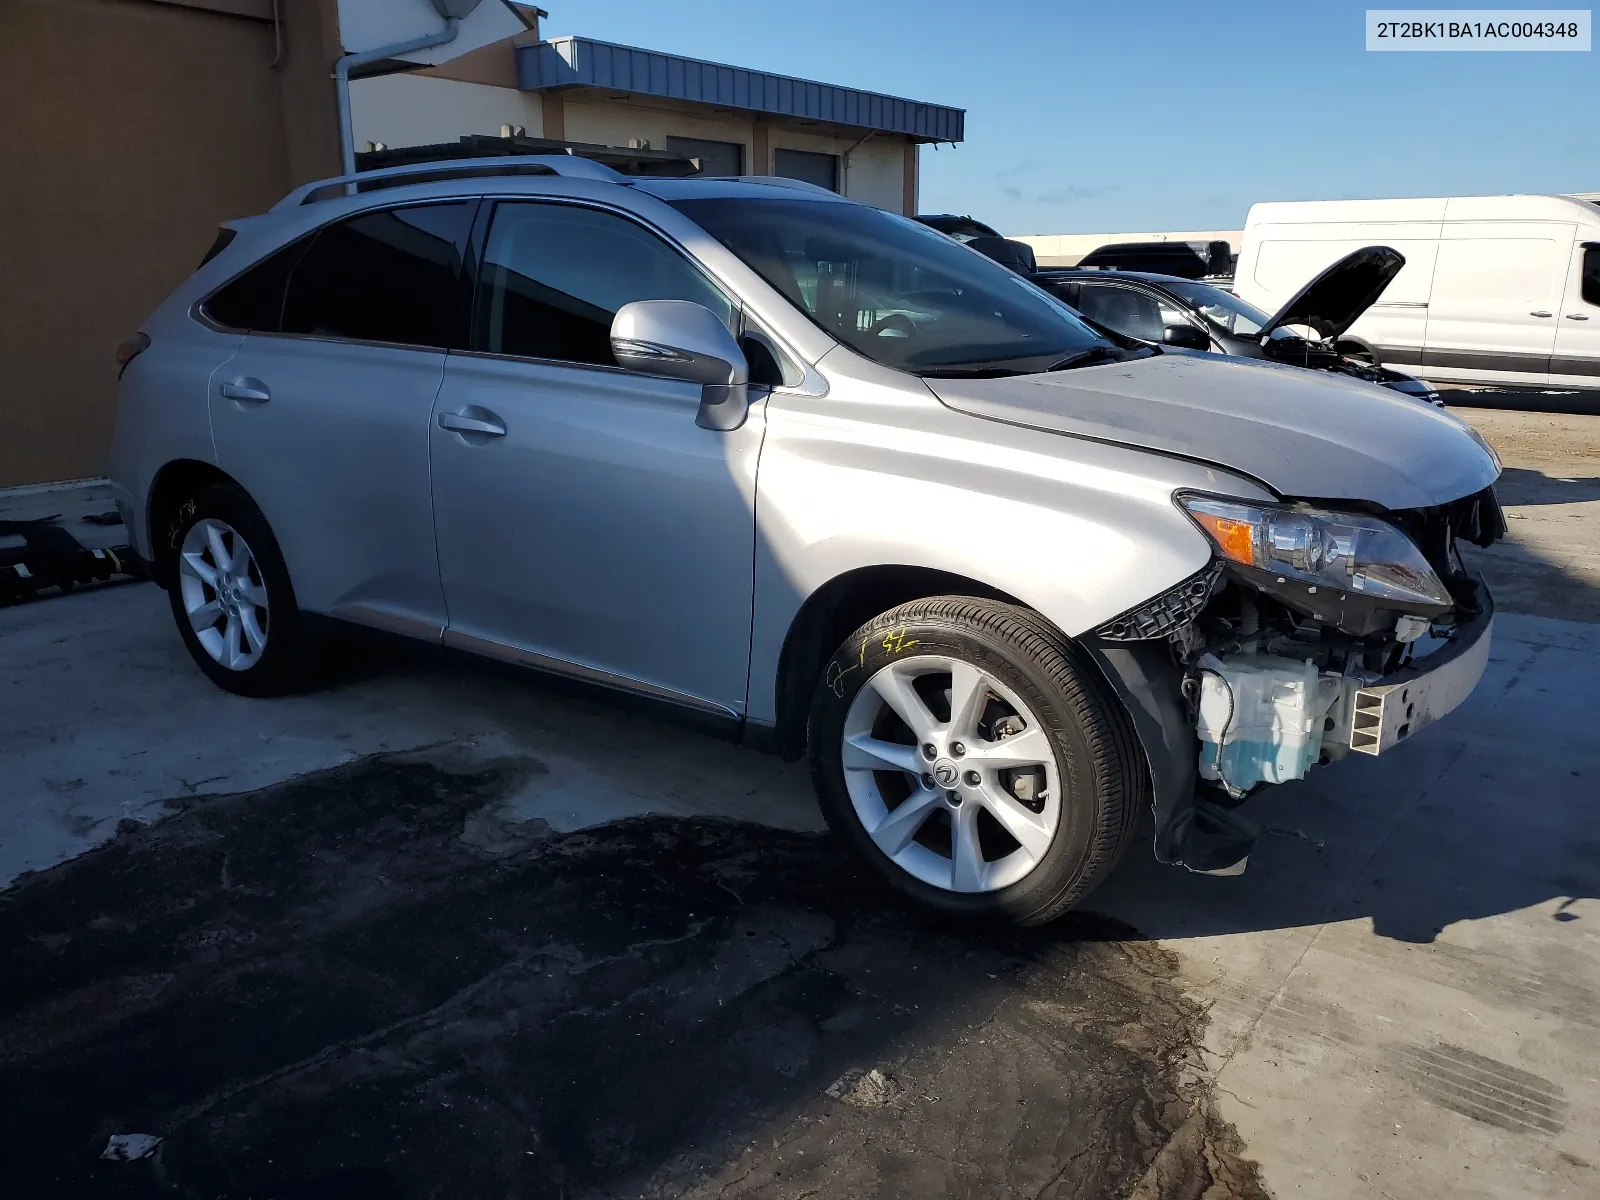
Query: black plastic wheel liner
{"type": "Point", "coordinates": [1189, 831]}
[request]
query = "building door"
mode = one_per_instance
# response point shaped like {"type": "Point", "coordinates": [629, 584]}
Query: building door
{"type": "Point", "coordinates": [820, 169]}
{"type": "Point", "coordinates": [716, 158]}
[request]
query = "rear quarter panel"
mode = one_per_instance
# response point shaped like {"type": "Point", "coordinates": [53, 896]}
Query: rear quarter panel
{"type": "Point", "coordinates": [162, 412]}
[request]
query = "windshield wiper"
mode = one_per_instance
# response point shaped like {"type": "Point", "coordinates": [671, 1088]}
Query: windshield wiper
{"type": "Point", "coordinates": [1083, 358]}
{"type": "Point", "coordinates": [970, 371]}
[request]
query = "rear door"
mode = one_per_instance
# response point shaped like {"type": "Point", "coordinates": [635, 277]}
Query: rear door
{"type": "Point", "coordinates": [323, 414]}
{"type": "Point", "coordinates": [1496, 289]}
{"type": "Point", "coordinates": [1576, 360]}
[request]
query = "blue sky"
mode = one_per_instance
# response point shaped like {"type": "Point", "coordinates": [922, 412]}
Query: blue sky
{"type": "Point", "coordinates": [1148, 116]}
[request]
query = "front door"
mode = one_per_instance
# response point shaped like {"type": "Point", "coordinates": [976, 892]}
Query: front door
{"type": "Point", "coordinates": [585, 522]}
{"type": "Point", "coordinates": [1576, 361]}
{"type": "Point", "coordinates": [1492, 312]}
{"type": "Point", "coordinates": [323, 412]}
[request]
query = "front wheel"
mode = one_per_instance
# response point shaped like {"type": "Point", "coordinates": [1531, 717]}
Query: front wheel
{"type": "Point", "coordinates": [973, 756]}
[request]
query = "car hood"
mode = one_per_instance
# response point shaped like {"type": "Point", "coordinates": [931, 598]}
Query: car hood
{"type": "Point", "coordinates": [1312, 435]}
{"type": "Point", "coordinates": [1332, 301]}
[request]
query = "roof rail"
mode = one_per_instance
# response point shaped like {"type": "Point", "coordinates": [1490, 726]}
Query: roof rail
{"type": "Point", "coordinates": [569, 165]}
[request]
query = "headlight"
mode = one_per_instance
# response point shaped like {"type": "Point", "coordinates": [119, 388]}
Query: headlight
{"type": "Point", "coordinates": [1324, 549]}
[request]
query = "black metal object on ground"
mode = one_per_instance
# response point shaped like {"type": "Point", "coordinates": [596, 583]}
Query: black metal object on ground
{"type": "Point", "coordinates": [50, 560]}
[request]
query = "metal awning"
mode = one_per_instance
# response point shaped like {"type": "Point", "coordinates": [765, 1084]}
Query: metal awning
{"type": "Point", "coordinates": [584, 62]}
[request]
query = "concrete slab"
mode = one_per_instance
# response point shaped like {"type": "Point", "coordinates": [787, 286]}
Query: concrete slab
{"type": "Point", "coordinates": [1404, 989]}
{"type": "Point", "coordinates": [104, 718]}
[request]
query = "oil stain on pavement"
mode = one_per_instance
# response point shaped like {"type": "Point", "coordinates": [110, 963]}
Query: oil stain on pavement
{"type": "Point", "coordinates": [359, 984]}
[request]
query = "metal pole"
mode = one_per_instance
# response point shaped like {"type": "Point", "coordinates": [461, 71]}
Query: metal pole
{"type": "Point", "coordinates": [341, 75]}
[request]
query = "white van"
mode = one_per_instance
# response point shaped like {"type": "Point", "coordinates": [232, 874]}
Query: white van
{"type": "Point", "coordinates": [1496, 289]}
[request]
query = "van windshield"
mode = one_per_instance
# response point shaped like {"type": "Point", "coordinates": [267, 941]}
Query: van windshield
{"type": "Point", "coordinates": [897, 292]}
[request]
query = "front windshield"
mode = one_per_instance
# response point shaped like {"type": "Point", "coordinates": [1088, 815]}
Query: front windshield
{"type": "Point", "coordinates": [1224, 310]}
{"type": "Point", "coordinates": [895, 291]}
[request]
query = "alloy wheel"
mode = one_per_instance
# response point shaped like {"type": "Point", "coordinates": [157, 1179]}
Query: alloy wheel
{"type": "Point", "coordinates": [223, 594]}
{"type": "Point", "coordinates": [951, 774]}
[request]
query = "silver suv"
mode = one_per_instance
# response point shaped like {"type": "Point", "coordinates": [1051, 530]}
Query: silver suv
{"type": "Point", "coordinates": [820, 475]}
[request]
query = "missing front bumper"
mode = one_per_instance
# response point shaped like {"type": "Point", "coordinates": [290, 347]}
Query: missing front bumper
{"type": "Point", "coordinates": [1388, 712]}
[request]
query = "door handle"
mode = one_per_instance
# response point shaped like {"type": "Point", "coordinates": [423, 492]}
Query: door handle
{"type": "Point", "coordinates": [249, 389]}
{"type": "Point", "coordinates": [461, 423]}
{"type": "Point", "coordinates": [1577, 316]}
{"type": "Point", "coordinates": [1540, 313]}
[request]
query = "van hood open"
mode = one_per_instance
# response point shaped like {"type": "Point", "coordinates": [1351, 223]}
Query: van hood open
{"type": "Point", "coordinates": [1333, 301]}
{"type": "Point", "coordinates": [1311, 435]}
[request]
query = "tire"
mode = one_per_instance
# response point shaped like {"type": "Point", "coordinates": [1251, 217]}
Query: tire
{"type": "Point", "coordinates": [273, 651]}
{"type": "Point", "coordinates": [1044, 835]}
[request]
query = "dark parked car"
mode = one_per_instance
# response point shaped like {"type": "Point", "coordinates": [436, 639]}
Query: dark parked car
{"type": "Point", "coordinates": [1187, 260]}
{"type": "Point", "coordinates": [985, 240]}
{"type": "Point", "coordinates": [1194, 315]}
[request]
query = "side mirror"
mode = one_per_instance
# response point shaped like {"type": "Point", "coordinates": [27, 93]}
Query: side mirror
{"type": "Point", "coordinates": [1186, 336]}
{"type": "Point", "coordinates": [684, 340]}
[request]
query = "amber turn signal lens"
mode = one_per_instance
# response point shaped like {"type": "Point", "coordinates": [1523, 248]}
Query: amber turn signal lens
{"type": "Point", "coordinates": [1235, 538]}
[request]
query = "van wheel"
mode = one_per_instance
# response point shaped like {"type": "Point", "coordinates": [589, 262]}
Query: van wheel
{"type": "Point", "coordinates": [232, 599]}
{"type": "Point", "coordinates": [971, 754]}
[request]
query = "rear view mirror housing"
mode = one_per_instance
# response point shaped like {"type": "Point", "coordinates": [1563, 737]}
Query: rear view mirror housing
{"type": "Point", "coordinates": [683, 340]}
{"type": "Point", "coordinates": [1186, 337]}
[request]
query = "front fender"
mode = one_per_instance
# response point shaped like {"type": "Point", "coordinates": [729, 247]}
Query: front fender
{"type": "Point", "coordinates": [1077, 530]}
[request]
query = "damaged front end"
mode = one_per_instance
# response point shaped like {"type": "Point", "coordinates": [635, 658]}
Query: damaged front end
{"type": "Point", "coordinates": [1326, 356]}
{"type": "Point", "coordinates": [1313, 633]}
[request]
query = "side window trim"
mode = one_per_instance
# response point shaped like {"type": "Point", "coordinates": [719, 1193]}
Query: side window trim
{"type": "Point", "coordinates": [478, 332]}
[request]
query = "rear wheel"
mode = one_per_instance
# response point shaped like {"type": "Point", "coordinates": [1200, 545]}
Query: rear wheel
{"type": "Point", "coordinates": [974, 758]}
{"type": "Point", "coordinates": [232, 599]}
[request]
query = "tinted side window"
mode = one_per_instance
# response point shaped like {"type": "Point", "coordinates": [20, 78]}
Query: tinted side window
{"type": "Point", "coordinates": [389, 276]}
{"type": "Point", "coordinates": [1591, 275]}
{"type": "Point", "coordinates": [1065, 290]}
{"type": "Point", "coordinates": [254, 301]}
{"type": "Point", "coordinates": [554, 275]}
{"type": "Point", "coordinates": [1130, 313]}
